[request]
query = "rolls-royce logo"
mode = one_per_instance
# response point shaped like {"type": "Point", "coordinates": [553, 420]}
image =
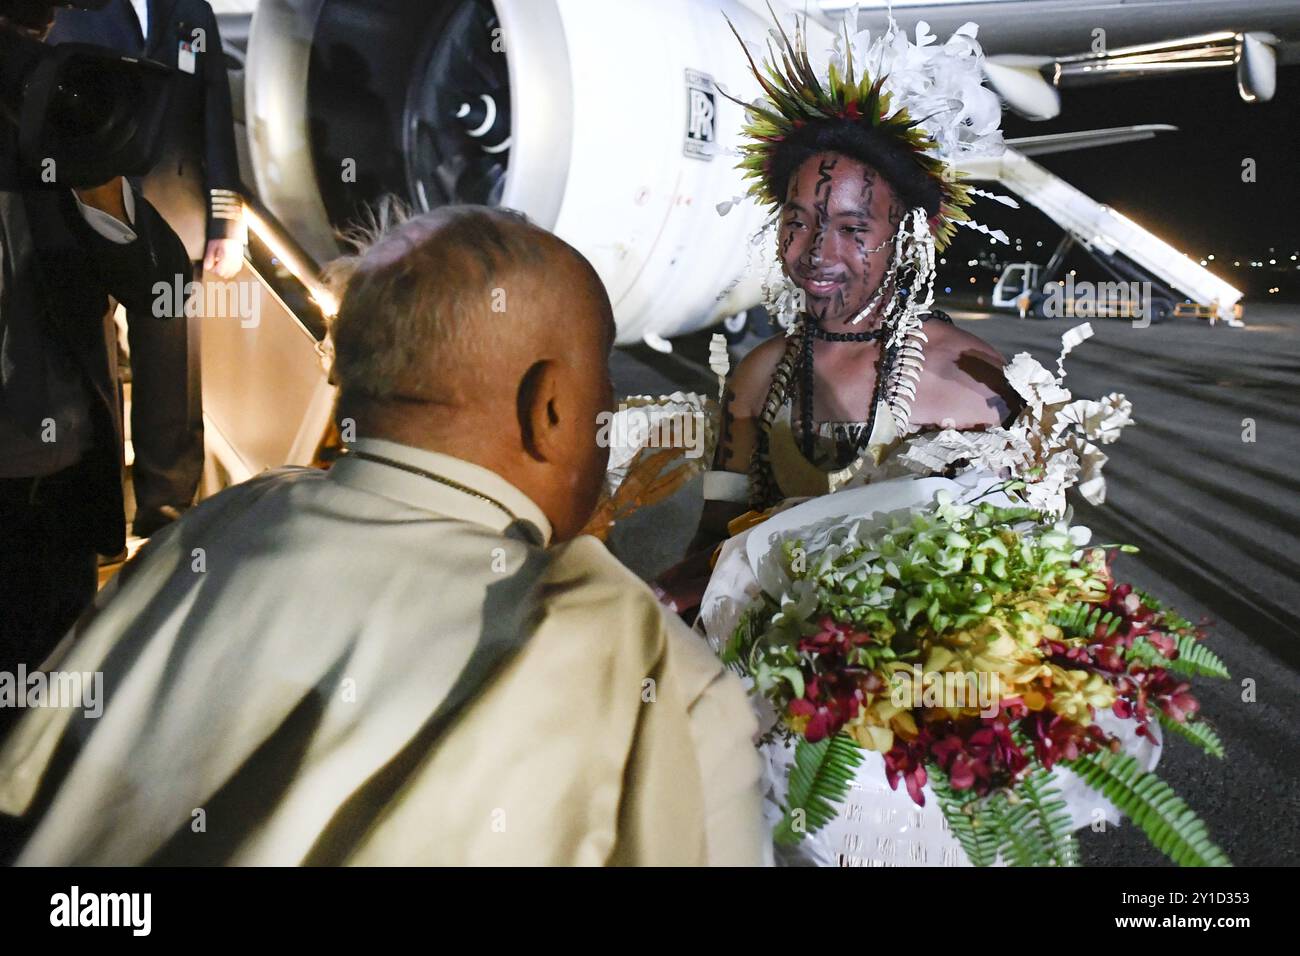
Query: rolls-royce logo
{"type": "Point", "coordinates": [701, 115]}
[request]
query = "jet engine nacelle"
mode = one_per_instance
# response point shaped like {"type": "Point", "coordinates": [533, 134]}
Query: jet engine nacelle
{"type": "Point", "coordinates": [602, 121]}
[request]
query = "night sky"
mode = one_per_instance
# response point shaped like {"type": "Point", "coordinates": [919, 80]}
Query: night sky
{"type": "Point", "coordinates": [1185, 186]}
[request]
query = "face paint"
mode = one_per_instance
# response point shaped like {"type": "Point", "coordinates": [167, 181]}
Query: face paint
{"type": "Point", "coordinates": [836, 247]}
{"type": "Point", "coordinates": [821, 206]}
{"type": "Point", "coordinates": [869, 179]}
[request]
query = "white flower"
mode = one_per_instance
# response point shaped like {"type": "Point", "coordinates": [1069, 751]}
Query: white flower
{"type": "Point", "coordinates": [940, 85]}
{"type": "Point", "coordinates": [1091, 484]}
{"type": "Point", "coordinates": [1049, 445]}
{"type": "Point", "coordinates": [1035, 384]}
{"type": "Point", "coordinates": [1100, 421]}
{"type": "Point", "coordinates": [1080, 535]}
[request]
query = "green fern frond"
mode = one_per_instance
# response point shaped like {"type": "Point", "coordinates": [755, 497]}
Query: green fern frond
{"type": "Point", "coordinates": [977, 833]}
{"type": "Point", "coordinates": [1051, 818]}
{"type": "Point", "coordinates": [1169, 823]}
{"type": "Point", "coordinates": [1082, 619]}
{"type": "Point", "coordinates": [1021, 843]}
{"type": "Point", "coordinates": [1197, 731]}
{"type": "Point", "coordinates": [1194, 658]}
{"type": "Point", "coordinates": [819, 782]}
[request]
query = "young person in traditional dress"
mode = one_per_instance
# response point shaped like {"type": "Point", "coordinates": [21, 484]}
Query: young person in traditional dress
{"type": "Point", "coordinates": [864, 192]}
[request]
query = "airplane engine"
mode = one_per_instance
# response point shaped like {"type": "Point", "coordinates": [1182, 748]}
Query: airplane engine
{"type": "Point", "coordinates": [602, 121]}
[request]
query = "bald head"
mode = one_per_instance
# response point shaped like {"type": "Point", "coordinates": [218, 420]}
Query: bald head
{"type": "Point", "coordinates": [440, 306]}
{"type": "Point", "coordinates": [470, 331]}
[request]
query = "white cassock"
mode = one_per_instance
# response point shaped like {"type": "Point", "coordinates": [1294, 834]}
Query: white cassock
{"type": "Point", "coordinates": [366, 666]}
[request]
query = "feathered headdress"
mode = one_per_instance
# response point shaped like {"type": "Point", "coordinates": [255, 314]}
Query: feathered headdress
{"type": "Point", "coordinates": [924, 99]}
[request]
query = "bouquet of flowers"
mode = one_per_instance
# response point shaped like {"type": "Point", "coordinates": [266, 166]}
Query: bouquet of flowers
{"type": "Point", "coordinates": [973, 645]}
{"type": "Point", "coordinates": [966, 632]}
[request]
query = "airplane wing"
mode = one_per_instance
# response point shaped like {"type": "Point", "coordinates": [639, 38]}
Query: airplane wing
{"type": "Point", "coordinates": [1035, 48]}
{"type": "Point", "coordinates": [1086, 139]}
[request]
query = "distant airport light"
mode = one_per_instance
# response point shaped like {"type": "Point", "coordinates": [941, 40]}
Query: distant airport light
{"type": "Point", "coordinates": [1272, 262]}
{"type": "Point", "coordinates": [947, 290]}
{"type": "Point", "coordinates": [1210, 257]}
{"type": "Point", "coordinates": [1203, 262]}
{"type": "Point", "coordinates": [1236, 263]}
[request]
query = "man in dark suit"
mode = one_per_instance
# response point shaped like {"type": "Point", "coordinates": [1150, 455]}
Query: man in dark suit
{"type": "Point", "coordinates": [63, 254]}
{"type": "Point", "coordinates": [196, 188]}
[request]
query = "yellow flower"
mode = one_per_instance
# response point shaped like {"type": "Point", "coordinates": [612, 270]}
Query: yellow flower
{"type": "Point", "coordinates": [1073, 692]}
{"type": "Point", "coordinates": [1033, 699]}
{"type": "Point", "coordinates": [871, 737]}
{"type": "Point", "coordinates": [875, 725]}
{"type": "Point", "coordinates": [940, 658]}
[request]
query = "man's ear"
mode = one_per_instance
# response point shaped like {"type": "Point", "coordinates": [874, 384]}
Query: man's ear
{"type": "Point", "coordinates": [537, 407]}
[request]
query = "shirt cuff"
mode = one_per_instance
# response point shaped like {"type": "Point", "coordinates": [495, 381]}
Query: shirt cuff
{"type": "Point", "coordinates": [726, 486]}
{"type": "Point", "coordinates": [110, 227]}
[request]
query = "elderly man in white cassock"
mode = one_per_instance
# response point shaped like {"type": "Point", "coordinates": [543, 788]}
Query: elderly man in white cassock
{"type": "Point", "coordinates": [415, 657]}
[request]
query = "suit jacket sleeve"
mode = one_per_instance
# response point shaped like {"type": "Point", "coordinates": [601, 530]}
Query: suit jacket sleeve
{"type": "Point", "coordinates": [130, 272]}
{"type": "Point", "coordinates": [220, 158]}
{"type": "Point", "coordinates": [724, 729]}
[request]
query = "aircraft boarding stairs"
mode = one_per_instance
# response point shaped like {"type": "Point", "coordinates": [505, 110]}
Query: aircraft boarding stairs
{"type": "Point", "coordinates": [1124, 249]}
{"type": "Point", "coordinates": [267, 401]}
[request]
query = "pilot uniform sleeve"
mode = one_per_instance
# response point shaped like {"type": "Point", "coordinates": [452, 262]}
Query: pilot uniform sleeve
{"type": "Point", "coordinates": [724, 728]}
{"type": "Point", "coordinates": [220, 159]}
